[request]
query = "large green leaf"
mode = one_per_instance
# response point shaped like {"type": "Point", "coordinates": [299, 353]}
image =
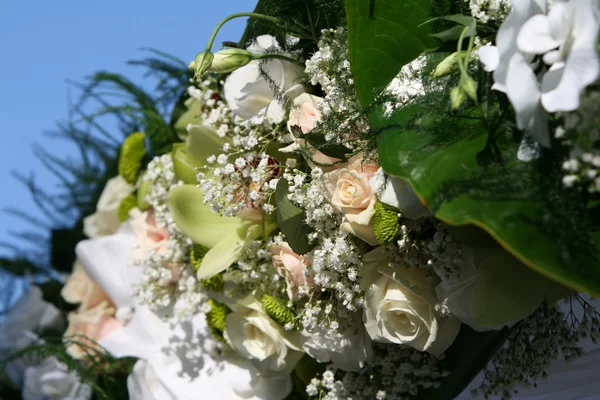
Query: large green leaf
{"type": "Point", "coordinates": [433, 163]}
{"type": "Point", "coordinates": [383, 36]}
{"type": "Point", "coordinates": [290, 219]}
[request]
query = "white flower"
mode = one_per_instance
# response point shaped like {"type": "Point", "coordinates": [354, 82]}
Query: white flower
{"type": "Point", "coordinates": [255, 336]}
{"type": "Point", "coordinates": [144, 384]}
{"type": "Point", "coordinates": [179, 353]}
{"type": "Point", "coordinates": [105, 220]}
{"type": "Point", "coordinates": [347, 350]}
{"type": "Point", "coordinates": [248, 92]}
{"type": "Point", "coordinates": [398, 193]}
{"type": "Point", "coordinates": [52, 380]}
{"type": "Point", "coordinates": [566, 38]}
{"type": "Point", "coordinates": [400, 306]}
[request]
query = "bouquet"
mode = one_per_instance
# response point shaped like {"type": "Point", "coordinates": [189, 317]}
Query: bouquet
{"type": "Point", "coordinates": [374, 199]}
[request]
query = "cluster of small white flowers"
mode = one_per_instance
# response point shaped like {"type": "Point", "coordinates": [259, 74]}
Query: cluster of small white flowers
{"type": "Point", "coordinates": [166, 274]}
{"type": "Point", "coordinates": [547, 335]}
{"type": "Point", "coordinates": [214, 113]}
{"type": "Point", "coordinates": [583, 170]}
{"type": "Point", "coordinates": [407, 84]}
{"type": "Point", "coordinates": [330, 68]}
{"type": "Point", "coordinates": [254, 273]}
{"type": "Point", "coordinates": [394, 372]}
{"type": "Point", "coordinates": [489, 10]}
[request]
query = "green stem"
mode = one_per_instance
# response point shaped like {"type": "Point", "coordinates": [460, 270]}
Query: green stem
{"type": "Point", "coordinates": [233, 16]}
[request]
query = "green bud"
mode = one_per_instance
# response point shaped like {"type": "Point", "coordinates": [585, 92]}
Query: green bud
{"type": "Point", "coordinates": [278, 310]}
{"type": "Point", "coordinates": [469, 86]}
{"type": "Point", "coordinates": [457, 97]}
{"type": "Point", "coordinates": [215, 319]}
{"type": "Point", "coordinates": [448, 66]}
{"type": "Point", "coordinates": [229, 60]}
{"type": "Point", "coordinates": [203, 62]}
{"type": "Point", "coordinates": [132, 154]}
{"type": "Point", "coordinates": [197, 254]}
{"type": "Point", "coordinates": [142, 193]}
{"type": "Point", "coordinates": [126, 205]}
{"type": "Point", "coordinates": [385, 222]}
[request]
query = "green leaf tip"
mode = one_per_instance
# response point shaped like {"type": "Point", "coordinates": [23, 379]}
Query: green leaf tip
{"type": "Point", "coordinates": [126, 205]}
{"type": "Point", "coordinates": [278, 310]}
{"type": "Point", "coordinates": [385, 222]}
{"type": "Point", "coordinates": [132, 154]}
{"type": "Point", "coordinates": [215, 318]}
{"type": "Point", "coordinates": [308, 368]}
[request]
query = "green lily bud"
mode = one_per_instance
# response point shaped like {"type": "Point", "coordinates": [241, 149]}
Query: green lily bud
{"type": "Point", "coordinates": [469, 86]}
{"type": "Point", "coordinates": [448, 66]}
{"type": "Point", "coordinates": [229, 60]}
{"type": "Point", "coordinates": [203, 62]}
{"type": "Point", "coordinates": [457, 97]}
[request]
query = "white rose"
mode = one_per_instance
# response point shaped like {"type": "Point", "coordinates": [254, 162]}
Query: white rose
{"type": "Point", "coordinates": [255, 336]}
{"type": "Point", "coordinates": [52, 380]}
{"type": "Point", "coordinates": [249, 94]}
{"type": "Point", "coordinates": [347, 350]}
{"type": "Point", "coordinates": [144, 384]}
{"type": "Point", "coordinates": [105, 220]}
{"type": "Point", "coordinates": [400, 306]}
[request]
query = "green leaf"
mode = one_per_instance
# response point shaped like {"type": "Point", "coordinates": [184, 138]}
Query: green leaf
{"type": "Point", "coordinates": [435, 162]}
{"type": "Point", "coordinates": [196, 220]}
{"type": "Point", "coordinates": [290, 219]}
{"type": "Point", "coordinates": [318, 141]}
{"type": "Point", "coordinates": [383, 36]}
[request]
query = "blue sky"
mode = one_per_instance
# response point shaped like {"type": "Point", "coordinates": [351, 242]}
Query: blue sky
{"type": "Point", "coordinates": [45, 43]}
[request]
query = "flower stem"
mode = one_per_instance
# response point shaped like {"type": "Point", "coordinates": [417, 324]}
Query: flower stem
{"type": "Point", "coordinates": [238, 15]}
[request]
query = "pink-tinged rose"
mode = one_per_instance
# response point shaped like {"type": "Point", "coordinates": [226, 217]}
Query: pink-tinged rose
{"type": "Point", "coordinates": [306, 115]}
{"type": "Point", "coordinates": [88, 327]}
{"type": "Point", "coordinates": [149, 237]}
{"type": "Point", "coordinates": [79, 288]}
{"type": "Point", "coordinates": [352, 194]}
{"type": "Point", "coordinates": [292, 267]}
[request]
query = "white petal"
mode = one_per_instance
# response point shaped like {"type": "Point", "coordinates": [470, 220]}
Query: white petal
{"type": "Point", "coordinates": [107, 261]}
{"type": "Point", "coordinates": [534, 37]}
{"type": "Point", "coordinates": [490, 57]}
{"type": "Point", "coordinates": [563, 83]}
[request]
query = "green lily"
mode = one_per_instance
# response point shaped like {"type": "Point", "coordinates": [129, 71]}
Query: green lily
{"type": "Point", "coordinates": [225, 237]}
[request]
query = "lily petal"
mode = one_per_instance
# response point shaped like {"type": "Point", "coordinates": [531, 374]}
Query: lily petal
{"type": "Point", "coordinates": [196, 220]}
{"type": "Point", "coordinates": [535, 38]}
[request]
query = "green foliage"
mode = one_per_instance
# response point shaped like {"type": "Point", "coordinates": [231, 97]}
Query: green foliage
{"type": "Point", "coordinates": [385, 222]}
{"type": "Point", "coordinates": [278, 310]}
{"type": "Point", "coordinates": [390, 32]}
{"type": "Point", "coordinates": [127, 204]}
{"type": "Point", "coordinates": [131, 156]}
{"type": "Point", "coordinates": [290, 220]}
{"type": "Point", "coordinates": [455, 164]}
{"type": "Point", "coordinates": [197, 254]}
{"type": "Point", "coordinates": [215, 319]}
{"type": "Point", "coordinates": [215, 284]}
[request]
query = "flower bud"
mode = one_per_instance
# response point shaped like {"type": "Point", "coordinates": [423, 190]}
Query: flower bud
{"type": "Point", "coordinates": [229, 60]}
{"type": "Point", "coordinates": [203, 62]}
{"type": "Point", "coordinates": [469, 86]}
{"type": "Point", "coordinates": [448, 66]}
{"type": "Point", "coordinates": [457, 97]}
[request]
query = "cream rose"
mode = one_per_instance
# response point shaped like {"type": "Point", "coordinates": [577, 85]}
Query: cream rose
{"type": "Point", "coordinates": [88, 327]}
{"type": "Point", "coordinates": [105, 220]}
{"type": "Point", "coordinates": [306, 115]}
{"type": "Point", "coordinates": [249, 94]}
{"type": "Point", "coordinates": [400, 306]}
{"type": "Point", "coordinates": [79, 288]}
{"type": "Point", "coordinates": [352, 194]}
{"type": "Point", "coordinates": [292, 267]}
{"type": "Point", "coordinates": [255, 336]}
